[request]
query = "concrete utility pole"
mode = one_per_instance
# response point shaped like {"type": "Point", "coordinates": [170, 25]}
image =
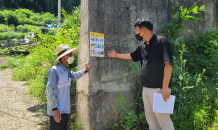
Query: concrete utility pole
{"type": "Point", "coordinates": [59, 14]}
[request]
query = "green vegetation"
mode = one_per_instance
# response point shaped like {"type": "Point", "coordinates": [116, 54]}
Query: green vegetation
{"type": "Point", "coordinates": [4, 51]}
{"type": "Point", "coordinates": [194, 74]}
{"type": "Point", "coordinates": [25, 16]}
{"type": "Point", "coordinates": [22, 48]}
{"type": "Point", "coordinates": [11, 35]}
{"type": "Point", "coordinates": [39, 5]}
{"type": "Point", "coordinates": [129, 117]}
{"type": "Point", "coordinates": [204, 54]}
{"type": "Point", "coordinates": [28, 28]}
{"type": "Point", "coordinates": [5, 28]}
{"type": "Point", "coordinates": [11, 27]}
{"type": "Point", "coordinates": [13, 62]}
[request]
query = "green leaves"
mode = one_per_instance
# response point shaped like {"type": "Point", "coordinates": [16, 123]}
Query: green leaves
{"type": "Point", "coordinates": [175, 89]}
{"type": "Point", "coordinates": [26, 16]}
{"type": "Point", "coordinates": [190, 57]}
{"type": "Point", "coordinates": [194, 9]}
{"type": "Point", "coordinates": [180, 77]}
{"type": "Point", "coordinates": [120, 111]}
{"type": "Point", "coordinates": [201, 8]}
{"type": "Point", "coordinates": [5, 28]}
{"type": "Point", "coordinates": [11, 35]}
{"type": "Point", "coordinates": [184, 89]}
{"type": "Point", "coordinates": [130, 105]}
{"type": "Point", "coordinates": [128, 117]}
{"type": "Point", "coordinates": [207, 51]}
{"type": "Point", "coordinates": [122, 99]}
{"type": "Point", "coordinates": [28, 28]}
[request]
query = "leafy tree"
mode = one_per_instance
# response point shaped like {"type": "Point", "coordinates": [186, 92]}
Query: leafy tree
{"type": "Point", "coordinates": [41, 5]}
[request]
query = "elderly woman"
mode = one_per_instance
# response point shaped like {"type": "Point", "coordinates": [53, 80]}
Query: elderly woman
{"type": "Point", "coordinates": [58, 87]}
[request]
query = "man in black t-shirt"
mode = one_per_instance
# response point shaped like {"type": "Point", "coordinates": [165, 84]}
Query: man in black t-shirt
{"type": "Point", "coordinates": [155, 55]}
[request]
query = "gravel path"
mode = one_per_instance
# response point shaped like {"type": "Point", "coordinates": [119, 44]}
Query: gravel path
{"type": "Point", "coordinates": [17, 110]}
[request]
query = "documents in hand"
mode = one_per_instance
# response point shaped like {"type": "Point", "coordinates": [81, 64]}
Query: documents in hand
{"type": "Point", "coordinates": [160, 106]}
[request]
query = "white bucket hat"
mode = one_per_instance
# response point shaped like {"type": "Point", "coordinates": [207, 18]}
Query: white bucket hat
{"type": "Point", "coordinates": [63, 50]}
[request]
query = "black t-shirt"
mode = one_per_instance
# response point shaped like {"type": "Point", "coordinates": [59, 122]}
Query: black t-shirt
{"type": "Point", "coordinates": [153, 58]}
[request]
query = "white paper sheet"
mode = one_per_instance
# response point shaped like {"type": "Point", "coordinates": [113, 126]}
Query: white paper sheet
{"type": "Point", "coordinates": [160, 106]}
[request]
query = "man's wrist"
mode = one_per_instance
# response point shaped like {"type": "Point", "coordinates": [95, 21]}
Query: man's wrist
{"type": "Point", "coordinates": [54, 109]}
{"type": "Point", "coordinates": [116, 56]}
{"type": "Point", "coordinates": [165, 87]}
{"type": "Point", "coordinates": [86, 71]}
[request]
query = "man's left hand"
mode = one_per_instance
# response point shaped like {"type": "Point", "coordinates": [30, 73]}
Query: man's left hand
{"type": "Point", "coordinates": [166, 94]}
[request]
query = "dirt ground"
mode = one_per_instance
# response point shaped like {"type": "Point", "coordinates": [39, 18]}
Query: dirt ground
{"type": "Point", "coordinates": [17, 110]}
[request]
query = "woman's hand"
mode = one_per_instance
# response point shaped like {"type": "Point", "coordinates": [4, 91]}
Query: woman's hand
{"type": "Point", "coordinates": [87, 66]}
{"type": "Point", "coordinates": [57, 116]}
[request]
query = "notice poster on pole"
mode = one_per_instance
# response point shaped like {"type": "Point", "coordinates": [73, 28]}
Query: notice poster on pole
{"type": "Point", "coordinates": [96, 44]}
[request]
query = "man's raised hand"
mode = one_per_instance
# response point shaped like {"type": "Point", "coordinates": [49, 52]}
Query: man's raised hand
{"type": "Point", "coordinates": [112, 53]}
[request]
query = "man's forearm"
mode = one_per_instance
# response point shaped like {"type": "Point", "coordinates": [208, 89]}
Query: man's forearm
{"type": "Point", "coordinates": [124, 56]}
{"type": "Point", "coordinates": [167, 75]}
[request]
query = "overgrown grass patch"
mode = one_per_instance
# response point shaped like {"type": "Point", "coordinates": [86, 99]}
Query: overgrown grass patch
{"type": "Point", "coordinates": [13, 62]}
{"type": "Point", "coordinates": [36, 88]}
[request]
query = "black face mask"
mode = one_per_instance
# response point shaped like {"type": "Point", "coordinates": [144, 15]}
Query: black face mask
{"type": "Point", "coordinates": [138, 37]}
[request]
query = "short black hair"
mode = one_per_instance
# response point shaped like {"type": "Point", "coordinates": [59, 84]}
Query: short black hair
{"type": "Point", "coordinates": [144, 22]}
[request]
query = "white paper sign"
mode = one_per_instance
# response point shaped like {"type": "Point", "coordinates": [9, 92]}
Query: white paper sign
{"type": "Point", "coordinates": [160, 106]}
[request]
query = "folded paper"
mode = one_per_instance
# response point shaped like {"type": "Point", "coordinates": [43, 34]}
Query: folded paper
{"type": "Point", "coordinates": [160, 106]}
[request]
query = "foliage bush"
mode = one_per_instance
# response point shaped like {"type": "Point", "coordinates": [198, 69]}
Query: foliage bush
{"type": "Point", "coordinates": [26, 13]}
{"type": "Point", "coordinates": [9, 18]}
{"type": "Point", "coordinates": [195, 91]}
{"type": "Point", "coordinates": [204, 54]}
{"type": "Point", "coordinates": [13, 62]}
{"type": "Point", "coordinates": [4, 51]}
{"type": "Point", "coordinates": [21, 16]}
{"type": "Point", "coordinates": [11, 35]}
{"type": "Point", "coordinates": [22, 48]}
{"type": "Point", "coordinates": [12, 19]}
{"type": "Point", "coordinates": [5, 28]}
{"type": "Point", "coordinates": [39, 6]}
{"type": "Point", "coordinates": [196, 103]}
{"type": "Point", "coordinates": [2, 19]}
{"type": "Point", "coordinates": [27, 28]}
{"type": "Point", "coordinates": [48, 18]}
{"type": "Point", "coordinates": [172, 30]}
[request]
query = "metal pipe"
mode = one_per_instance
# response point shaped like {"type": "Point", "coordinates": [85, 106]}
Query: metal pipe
{"type": "Point", "coordinates": [59, 14]}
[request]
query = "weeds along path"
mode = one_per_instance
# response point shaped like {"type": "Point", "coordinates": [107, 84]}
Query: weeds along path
{"type": "Point", "coordinates": [17, 110]}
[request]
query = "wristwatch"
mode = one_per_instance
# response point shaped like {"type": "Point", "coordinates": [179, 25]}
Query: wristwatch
{"type": "Point", "coordinates": [86, 71]}
{"type": "Point", "coordinates": [54, 109]}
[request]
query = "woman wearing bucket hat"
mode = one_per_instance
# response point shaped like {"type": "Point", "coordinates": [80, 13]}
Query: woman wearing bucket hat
{"type": "Point", "coordinates": [58, 87]}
